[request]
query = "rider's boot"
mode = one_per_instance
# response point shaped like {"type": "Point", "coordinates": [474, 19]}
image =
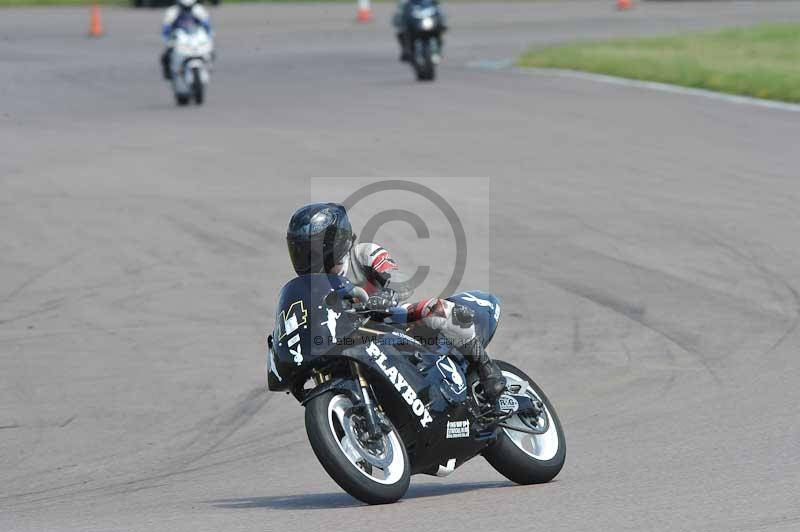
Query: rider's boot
{"type": "Point", "coordinates": [165, 61]}
{"type": "Point", "coordinates": [401, 40]}
{"type": "Point", "coordinates": [491, 378]}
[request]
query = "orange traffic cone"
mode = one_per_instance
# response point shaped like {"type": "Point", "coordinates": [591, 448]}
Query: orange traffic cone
{"type": "Point", "coordinates": [622, 5]}
{"type": "Point", "coordinates": [95, 25]}
{"type": "Point", "coordinates": [364, 13]}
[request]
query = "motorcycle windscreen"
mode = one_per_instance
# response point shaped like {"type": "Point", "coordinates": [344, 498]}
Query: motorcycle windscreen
{"type": "Point", "coordinates": [309, 323]}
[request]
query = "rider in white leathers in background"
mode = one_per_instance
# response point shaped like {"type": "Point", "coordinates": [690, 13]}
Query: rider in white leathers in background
{"type": "Point", "coordinates": [176, 15]}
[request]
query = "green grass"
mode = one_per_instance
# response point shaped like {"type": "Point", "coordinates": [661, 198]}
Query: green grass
{"type": "Point", "coordinates": [761, 61]}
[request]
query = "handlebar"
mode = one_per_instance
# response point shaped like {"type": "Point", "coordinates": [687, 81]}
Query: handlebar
{"type": "Point", "coordinates": [361, 294]}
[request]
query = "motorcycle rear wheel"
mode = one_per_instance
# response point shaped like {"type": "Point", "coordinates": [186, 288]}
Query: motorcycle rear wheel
{"type": "Point", "coordinates": [345, 457]}
{"type": "Point", "coordinates": [520, 456]}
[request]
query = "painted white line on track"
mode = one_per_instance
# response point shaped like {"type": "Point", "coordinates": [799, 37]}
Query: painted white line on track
{"type": "Point", "coordinates": [498, 64]}
{"type": "Point", "coordinates": [491, 64]}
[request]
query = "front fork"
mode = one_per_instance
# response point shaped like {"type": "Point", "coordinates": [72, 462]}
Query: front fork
{"type": "Point", "coordinates": [375, 427]}
{"type": "Point", "coordinates": [370, 416]}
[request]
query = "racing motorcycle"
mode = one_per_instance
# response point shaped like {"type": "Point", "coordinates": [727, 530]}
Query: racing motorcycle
{"type": "Point", "coordinates": [424, 25]}
{"type": "Point", "coordinates": [192, 55]}
{"type": "Point", "coordinates": [382, 404]}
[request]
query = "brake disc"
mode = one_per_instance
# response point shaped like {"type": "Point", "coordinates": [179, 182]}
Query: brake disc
{"type": "Point", "coordinates": [380, 461]}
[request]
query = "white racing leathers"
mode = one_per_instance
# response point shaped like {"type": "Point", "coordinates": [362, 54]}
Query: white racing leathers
{"type": "Point", "coordinates": [371, 267]}
{"type": "Point", "coordinates": [198, 13]}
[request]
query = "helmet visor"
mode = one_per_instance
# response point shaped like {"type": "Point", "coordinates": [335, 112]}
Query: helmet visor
{"type": "Point", "coordinates": [306, 255]}
{"type": "Point", "coordinates": [318, 255]}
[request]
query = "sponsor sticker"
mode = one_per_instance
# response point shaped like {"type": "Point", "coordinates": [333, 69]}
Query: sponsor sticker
{"type": "Point", "coordinates": [508, 403]}
{"type": "Point", "coordinates": [396, 377]}
{"type": "Point", "coordinates": [451, 374]}
{"type": "Point", "coordinates": [405, 337]}
{"type": "Point", "coordinates": [291, 320]}
{"type": "Point", "coordinates": [457, 429]}
{"type": "Point", "coordinates": [478, 301]}
{"type": "Point", "coordinates": [331, 322]}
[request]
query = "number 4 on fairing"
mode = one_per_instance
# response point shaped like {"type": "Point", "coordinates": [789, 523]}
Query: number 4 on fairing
{"type": "Point", "coordinates": [382, 406]}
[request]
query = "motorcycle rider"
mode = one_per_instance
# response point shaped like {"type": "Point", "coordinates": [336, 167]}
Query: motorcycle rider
{"type": "Point", "coordinates": [180, 13]}
{"type": "Point", "coordinates": [321, 240]}
{"type": "Point", "coordinates": [399, 23]}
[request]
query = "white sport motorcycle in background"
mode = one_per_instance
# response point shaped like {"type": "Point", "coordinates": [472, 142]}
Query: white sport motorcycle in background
{"type": "Point", "coordinates": [192, 55]}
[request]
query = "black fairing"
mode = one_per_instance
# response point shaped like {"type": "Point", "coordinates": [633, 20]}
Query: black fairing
{"type": "Point", "coordinates": [301, 338]}
{"type": "Point", "coordinates": [421, 387]}
{"type": "Point", "coordinates": [443, 397]}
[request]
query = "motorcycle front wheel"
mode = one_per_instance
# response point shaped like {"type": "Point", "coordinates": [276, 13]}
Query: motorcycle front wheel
{"type": "Point", "coordinates": [197, 87]}
{"type": "Point", "coordinates": [375, 472]}
{"type": "Point", "coordinates": [424, 65]}
{"type": "Point", "coordinates": [528, 450]}
{"type": "Point", "coordinates": [181, 99]}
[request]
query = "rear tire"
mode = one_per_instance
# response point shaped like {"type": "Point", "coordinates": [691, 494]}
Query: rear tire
{"type": "Point", "coordinates": [528, 461]}
{"type": "Point", "coordinates": [326, 437]}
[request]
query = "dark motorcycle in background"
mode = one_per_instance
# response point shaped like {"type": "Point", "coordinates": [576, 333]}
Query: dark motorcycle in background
{"type": "Point", "coordinates": [382, 405]}
{"type": "Point", "coordinates": [423, 22]}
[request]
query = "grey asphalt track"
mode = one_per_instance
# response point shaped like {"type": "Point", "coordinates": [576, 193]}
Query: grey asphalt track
{"type": "Point", "coordinates": [645, 245]}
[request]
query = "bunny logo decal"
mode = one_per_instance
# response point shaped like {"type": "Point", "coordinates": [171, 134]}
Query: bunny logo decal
{"type": "Point", "coordinates": [452, 374]}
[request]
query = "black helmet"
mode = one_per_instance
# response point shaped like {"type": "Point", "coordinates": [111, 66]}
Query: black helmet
{"type": "Point", "coordinates": [319, 236]}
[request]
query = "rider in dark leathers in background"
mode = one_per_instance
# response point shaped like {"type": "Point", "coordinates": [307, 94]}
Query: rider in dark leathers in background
{"type": "Point", "coordinates": [399, 23]}
{"type": "Point", "coordinates": [321, 240]}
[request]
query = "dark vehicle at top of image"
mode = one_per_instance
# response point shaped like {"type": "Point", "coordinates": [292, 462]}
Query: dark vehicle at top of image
{"type": "Point", "coordinates": [166, 3]}
{"type": "Point", "coordinates": [381, 405]}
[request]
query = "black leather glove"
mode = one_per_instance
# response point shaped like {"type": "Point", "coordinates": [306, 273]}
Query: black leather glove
{"type": "Point", "coordinates": [463, 316]}
{"type": "Point", "coordinates": [382, 301]}
{"type": "Point", "coordinates": [382, 278]}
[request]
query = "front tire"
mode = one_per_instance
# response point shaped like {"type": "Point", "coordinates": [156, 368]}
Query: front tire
{"type": "Point", "coordinates": [425, 69]}
{"type": "Point", "coordinates": [522, 457]}
{"type": "Point", "coordinates": [332, 426]}
{"type": "Point", "coordinates": [197, 87]}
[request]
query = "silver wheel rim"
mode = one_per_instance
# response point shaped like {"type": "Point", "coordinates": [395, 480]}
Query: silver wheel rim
{"type": "Point", "coordinates": [541, 447]}
{"type": "Point", "coordinates": [352, 448]}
